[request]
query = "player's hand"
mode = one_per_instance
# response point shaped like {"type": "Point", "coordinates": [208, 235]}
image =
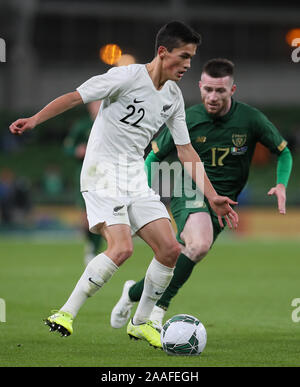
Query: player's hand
{"type": "Point", "coordinates": [231, 219]}
{"type": "Point", "coordinates": [221, 206]}
{"type": "Point", "coordinates": [280, 193]}
{"type": "Point", "coordinates": [80, 151]}
{"type": "Point", "coordinates": [18, 127]}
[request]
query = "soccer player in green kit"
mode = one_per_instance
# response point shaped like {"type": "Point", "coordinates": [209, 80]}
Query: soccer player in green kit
{"type": "Point", "coordinates": [224, 132]}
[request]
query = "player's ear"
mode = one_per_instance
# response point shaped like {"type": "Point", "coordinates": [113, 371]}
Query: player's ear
{"type": "Point", "coordinates": [162, 51]}
{"type": "Point", "coordinates": [233, 89]}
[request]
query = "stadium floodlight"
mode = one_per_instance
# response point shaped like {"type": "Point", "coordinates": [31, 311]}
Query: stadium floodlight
{"type": "Point", "coordinates": [110, 53]}
{"type": "Point", "coordinates": [291, 35]}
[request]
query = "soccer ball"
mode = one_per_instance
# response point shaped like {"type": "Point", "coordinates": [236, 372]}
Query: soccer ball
{"type": "Point", "coordinates": [183, 335]}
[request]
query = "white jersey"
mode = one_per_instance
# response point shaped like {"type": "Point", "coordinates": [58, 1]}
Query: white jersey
{"type": "Point", "coordinates": [132, 111]}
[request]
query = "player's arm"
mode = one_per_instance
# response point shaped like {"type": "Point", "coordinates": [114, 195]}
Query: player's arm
{"type": "Point", "coordinates": [270, 137]}
{"type": "Point", "coordinates": [54, 108]}
{"type": "Point", "coordinates": [220, 204]}
{"type": "Point", "coordinates": [284, 168]}
{"type": "Point", "coordinates": [150, 161]}
{"type": "Point", "coordinates": [162, 146]}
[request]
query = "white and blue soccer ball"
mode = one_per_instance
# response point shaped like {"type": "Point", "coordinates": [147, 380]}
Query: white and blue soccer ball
{"type": "Point", "coordinates": [183, 335]}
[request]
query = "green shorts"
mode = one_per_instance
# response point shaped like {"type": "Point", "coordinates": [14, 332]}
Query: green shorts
{"type": "Point", "coordinates": [180, 214]}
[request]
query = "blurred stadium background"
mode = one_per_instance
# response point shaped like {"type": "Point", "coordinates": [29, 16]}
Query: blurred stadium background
{"type": "Point", "coordinates": [53, 46]}
{"type": "Point", "coordinates": [245, 289]}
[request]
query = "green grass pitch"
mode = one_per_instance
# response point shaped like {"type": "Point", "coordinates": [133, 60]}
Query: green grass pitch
{"type": "Point", "coordinates": [242, 292]}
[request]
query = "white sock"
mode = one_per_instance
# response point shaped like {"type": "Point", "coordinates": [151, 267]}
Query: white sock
{"type": "Point", "coordinates": [96, 274]}
{"type": "Point", "coordinates": [157, 279]}
{"type": "Point", "coordinates": [157, 314]}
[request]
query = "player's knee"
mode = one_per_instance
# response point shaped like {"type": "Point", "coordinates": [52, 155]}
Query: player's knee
{"type": "Point", "coordinates": [124, 254]}
{"type": "Point", "coordinates": [197, 251]}
{"type": "Point", "coordinates": [120, 253]}
{"type": "Point", "coordinates": [170, 253]}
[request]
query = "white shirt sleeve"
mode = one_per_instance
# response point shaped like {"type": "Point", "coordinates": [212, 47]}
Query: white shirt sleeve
{"type": "Point", "coordinates": [106, 85]}
{"type": "Point", "coordinates": [177, 124]}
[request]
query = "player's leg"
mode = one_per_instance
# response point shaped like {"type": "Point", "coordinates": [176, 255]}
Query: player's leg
{"type": "Point", "coordinates": [99, 270]}
{"type": "Point", "coordinates": [196, 234]}
{"type": "Point", "coordinates": [160, 237]}
{"type": "Point", "coordinates": [92, 241]}
{"type": "Point", "coordinates": [117, 232]}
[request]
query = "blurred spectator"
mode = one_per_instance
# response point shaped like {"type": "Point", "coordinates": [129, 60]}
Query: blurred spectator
{"type": "Point", "coordinates": [7, 181]}
{"type": "Point", "coordinates": [52, 182]}
{"type": "Point", "coordinates": [15, 202]}
{"type": "Point", "coordinates": [9, 143]}
{"type": "Point", "coordinates": [22, 200]}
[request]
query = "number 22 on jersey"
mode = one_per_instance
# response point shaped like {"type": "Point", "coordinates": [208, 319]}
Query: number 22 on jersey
{"type": "Point", "coordinates": [136, 117]}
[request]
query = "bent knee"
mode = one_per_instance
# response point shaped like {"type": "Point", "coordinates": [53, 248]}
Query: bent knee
{"type": "Point", "coordinates": [119, 254]}
{"type": "Point", "coordinates": [197, 251]}
{"type": "Point", "coordinates": [168, 254]}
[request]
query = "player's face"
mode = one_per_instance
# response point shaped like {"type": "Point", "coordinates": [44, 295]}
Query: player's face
{"type": "Point", "coordinates": [216, 93]}
{"type": "Point", "coordinates": [177, 61]}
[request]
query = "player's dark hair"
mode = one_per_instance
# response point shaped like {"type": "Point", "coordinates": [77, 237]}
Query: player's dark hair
{"type": "Point", "coordinates": [175, 34]}
{"type": "Point", "coordinates": [219, 68]}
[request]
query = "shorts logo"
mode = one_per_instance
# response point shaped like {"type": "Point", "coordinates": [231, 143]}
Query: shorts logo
{"type": "Point", "coordinates": [116, 211]}
{"type": "Point", "coordinates": [239, 139]}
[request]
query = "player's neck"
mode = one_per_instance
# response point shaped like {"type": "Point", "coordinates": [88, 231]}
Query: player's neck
{"type": "Point", "coordinates": [226, 109]}
{"type": "Point", "coordinates": [154, 69]}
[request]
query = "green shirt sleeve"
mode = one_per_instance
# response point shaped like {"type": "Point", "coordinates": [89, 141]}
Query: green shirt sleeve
{"type": "Point", "coordinates": [270, 137]}
{"type": "Point", "coordinates": [284, 167]}
{"type": "Point", "coordinates": [268, 134]}
{"type": "Point", "coordinates": [149, 167]}
{"type": "Point", "coordinates": [164, 144]}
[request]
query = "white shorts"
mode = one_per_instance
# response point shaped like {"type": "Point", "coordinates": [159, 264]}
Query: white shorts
{"type": "Point", "coordinates": [136, 212]}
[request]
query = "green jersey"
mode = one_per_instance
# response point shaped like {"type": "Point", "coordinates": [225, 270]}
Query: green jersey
{"type": "Point", "coordinates": [79, 134]}
{"type": "Point", "coordinates": [225, 144]}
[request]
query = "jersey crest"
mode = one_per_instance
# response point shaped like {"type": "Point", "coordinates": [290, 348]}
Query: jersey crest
{"type": "Point", "coordinates": [239, 139]}
{"type": "Point", "coordinates": [164, 110]}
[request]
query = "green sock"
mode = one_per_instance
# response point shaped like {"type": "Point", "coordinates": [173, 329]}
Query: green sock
{"type": "Point", "coordinates": [94, 241]}
{"type": "Point", "coordinates": [182, 272]}
{"type": "Point", "coordinates": [136, 290]}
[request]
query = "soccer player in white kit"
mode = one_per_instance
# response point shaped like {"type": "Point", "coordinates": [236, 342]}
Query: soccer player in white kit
{"type": "Point", "coordinates": [137, 100]}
